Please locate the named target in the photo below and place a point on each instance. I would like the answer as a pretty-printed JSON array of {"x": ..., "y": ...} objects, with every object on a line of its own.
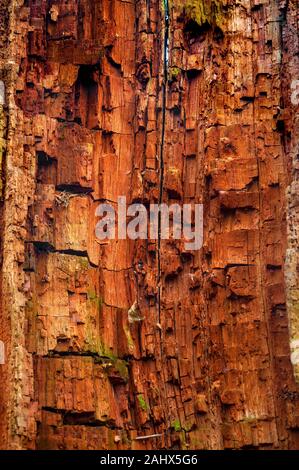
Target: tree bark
[{"x": 142, "y": 344}]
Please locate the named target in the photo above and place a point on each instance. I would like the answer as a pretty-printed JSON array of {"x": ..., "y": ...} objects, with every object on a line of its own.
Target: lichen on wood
[{"x": 204, "y": 12}]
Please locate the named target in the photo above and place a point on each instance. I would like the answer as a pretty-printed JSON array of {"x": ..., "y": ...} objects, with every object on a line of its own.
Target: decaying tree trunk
[{"x": 186, "y": 101}]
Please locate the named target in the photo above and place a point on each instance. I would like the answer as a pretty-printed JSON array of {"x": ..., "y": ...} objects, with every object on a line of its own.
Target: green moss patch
[
  {"x": 176, "y": 425},
  {"x": 142, "y": 403}
]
